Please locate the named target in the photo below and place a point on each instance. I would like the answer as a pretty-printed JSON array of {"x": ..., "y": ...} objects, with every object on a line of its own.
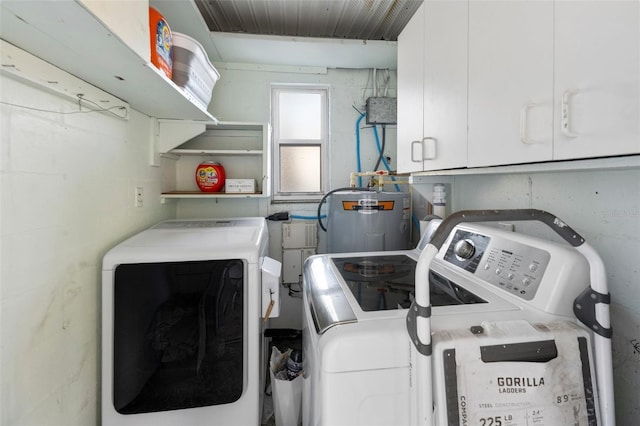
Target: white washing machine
[
  {"x": 497, "y": 341},
  {"x": 182, "y": 304}
]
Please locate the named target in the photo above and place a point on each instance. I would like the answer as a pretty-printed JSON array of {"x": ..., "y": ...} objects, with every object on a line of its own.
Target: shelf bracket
[
  {"x": 171, "y": 133},
  {"x": 168, "y": 134}
]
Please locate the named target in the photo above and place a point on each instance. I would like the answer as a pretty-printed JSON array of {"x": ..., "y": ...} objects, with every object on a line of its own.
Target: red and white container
[{"x": 210, "y": 176}]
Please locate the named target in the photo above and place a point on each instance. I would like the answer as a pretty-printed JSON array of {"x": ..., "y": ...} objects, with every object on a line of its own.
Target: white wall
[
  {"x": 243, "y": 94},
  {"x": 604, "y": 207},
  {"x": 67, "y": 196}
]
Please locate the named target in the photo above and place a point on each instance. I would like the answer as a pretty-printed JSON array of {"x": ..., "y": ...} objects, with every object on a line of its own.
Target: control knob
[{"x": 464, "y": 249}]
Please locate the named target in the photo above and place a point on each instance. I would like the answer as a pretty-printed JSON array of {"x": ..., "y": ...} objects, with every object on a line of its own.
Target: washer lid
[{"x": 327, "y": 302}]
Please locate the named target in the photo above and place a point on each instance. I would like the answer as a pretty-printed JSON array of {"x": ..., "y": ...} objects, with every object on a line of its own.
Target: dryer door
[{"x": 178, "y": 335}]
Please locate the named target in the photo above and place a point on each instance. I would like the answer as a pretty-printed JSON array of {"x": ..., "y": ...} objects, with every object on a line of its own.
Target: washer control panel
[{"x": 513, "y": 267}]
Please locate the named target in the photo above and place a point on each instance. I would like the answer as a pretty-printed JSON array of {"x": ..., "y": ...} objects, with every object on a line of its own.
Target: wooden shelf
[
  {"x": 197, "y": 195},
  {"x": 216, "y": 152}
]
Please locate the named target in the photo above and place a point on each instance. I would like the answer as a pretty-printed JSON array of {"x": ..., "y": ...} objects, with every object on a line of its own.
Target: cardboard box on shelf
[{"x": 240, "y": 185}]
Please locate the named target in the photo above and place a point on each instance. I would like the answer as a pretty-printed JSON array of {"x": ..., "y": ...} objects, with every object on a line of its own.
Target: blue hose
[{"x": 302, "y": 217}]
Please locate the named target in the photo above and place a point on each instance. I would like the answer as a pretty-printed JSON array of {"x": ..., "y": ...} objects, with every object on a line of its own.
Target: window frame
[{"x": 323, "y": 142}]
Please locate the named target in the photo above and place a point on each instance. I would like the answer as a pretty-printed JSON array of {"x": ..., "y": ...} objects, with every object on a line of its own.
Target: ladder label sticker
[{"x": 517, "y": 387}]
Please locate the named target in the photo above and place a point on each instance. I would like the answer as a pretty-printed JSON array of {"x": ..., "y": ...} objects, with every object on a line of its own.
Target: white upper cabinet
[
  {"x": 410, "y": 94},
  {"x": 546, "y": 80},
  {"x": 597, "y": 72},
  {"x": 510, "y": 82},
  {"x": 432, "y": 88},
  {"x": 445, "y": 84}
]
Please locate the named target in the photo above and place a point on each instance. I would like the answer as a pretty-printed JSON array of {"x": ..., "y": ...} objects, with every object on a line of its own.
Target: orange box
[{"x": 161, "y": 42}]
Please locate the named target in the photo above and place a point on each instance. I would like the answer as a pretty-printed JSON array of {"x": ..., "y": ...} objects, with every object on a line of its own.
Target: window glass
[
  {"x": 300, "y": 168},
  {"x": 300, "y": 115}
]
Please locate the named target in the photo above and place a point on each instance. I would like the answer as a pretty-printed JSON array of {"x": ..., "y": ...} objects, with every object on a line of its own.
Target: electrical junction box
[
  {"x": 299, "y": 241},
  {"x": 382, "y": 110},
  {"x": 299, "y": 235},
  {"x": 293, "y": 262}
]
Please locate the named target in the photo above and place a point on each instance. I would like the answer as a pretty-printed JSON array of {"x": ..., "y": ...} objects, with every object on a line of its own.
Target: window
[{"x": 300, "y": 136}]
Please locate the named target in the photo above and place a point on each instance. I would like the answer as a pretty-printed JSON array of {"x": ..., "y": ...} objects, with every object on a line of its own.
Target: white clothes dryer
[{"x": 181, "y": 324}]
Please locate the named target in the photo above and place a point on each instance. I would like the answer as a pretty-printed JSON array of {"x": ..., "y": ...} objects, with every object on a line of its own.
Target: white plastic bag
[{"x": 287, "y": 394}]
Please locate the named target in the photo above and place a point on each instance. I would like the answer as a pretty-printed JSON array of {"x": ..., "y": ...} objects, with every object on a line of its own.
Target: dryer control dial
[{"x": 464, "y": 249}]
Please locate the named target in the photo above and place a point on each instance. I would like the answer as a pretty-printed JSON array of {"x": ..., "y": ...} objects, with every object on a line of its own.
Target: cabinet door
[
  {"x": 597, "y": 94},
  {"x": 445, "y": 84},
  {"x": 510, "y": 82},
  {"x": 410, "y": 92}
]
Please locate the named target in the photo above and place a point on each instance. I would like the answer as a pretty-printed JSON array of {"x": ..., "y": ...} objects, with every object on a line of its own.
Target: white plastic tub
[{"x": 192, "y": 70}]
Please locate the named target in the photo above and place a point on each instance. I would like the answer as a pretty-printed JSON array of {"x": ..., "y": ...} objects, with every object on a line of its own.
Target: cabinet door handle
[
  {"x": 413, "y": 151},
  {"x": 524, "y": 112},
  {"x": 429, "y": 148},
  {"x": 565, "y": 117}
]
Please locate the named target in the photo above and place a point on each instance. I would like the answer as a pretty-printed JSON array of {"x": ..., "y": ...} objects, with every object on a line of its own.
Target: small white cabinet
[
  {"x": 411, "y": 94},
  {"x": 445, "y": 84},
  {"x": 432, "y": 88},
  {"x": 510, "y": 82},
  {"x": 243, "y": 149},
  {"x": 596, "y": 79}
]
